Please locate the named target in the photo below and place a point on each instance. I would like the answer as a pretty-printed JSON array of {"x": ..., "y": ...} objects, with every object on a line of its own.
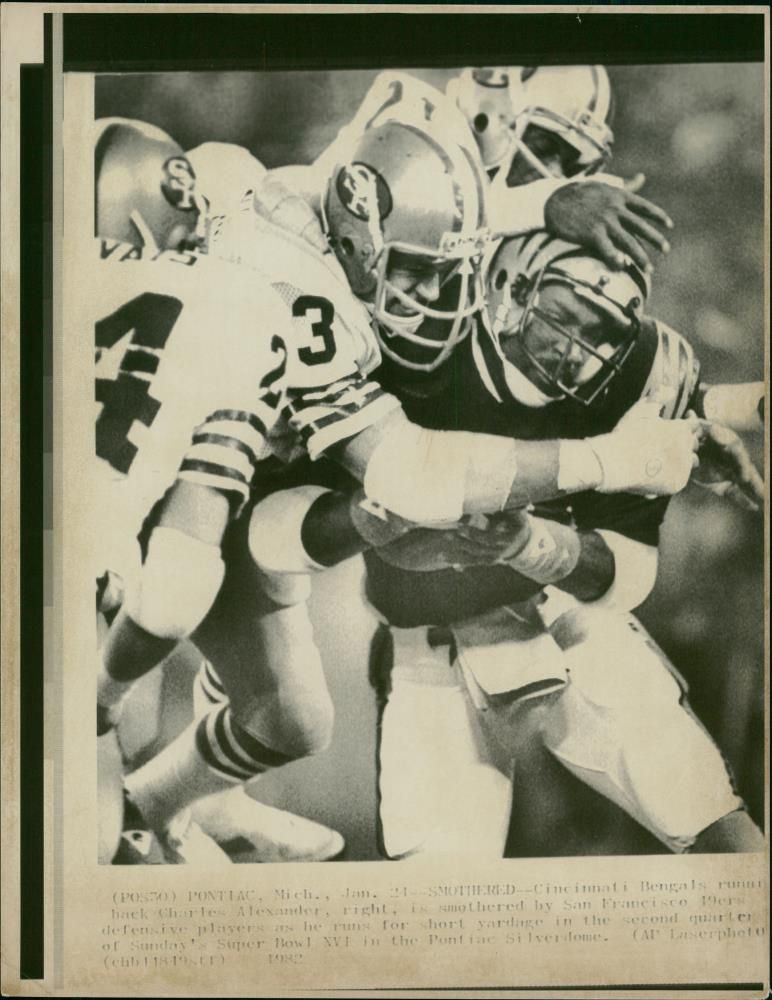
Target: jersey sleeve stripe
[
  {"x": 230, "y": 459},
  {"x": 321, "y": 415},
  {"x": 226, "y": 441},
  {"x": 229, "y": 479},
  {"x": 239, "y": 415},
  {"x": 333, "y": 389},
  {"x": 344, "y": 426},
  {"x": 352, "y": 395},
  {"x": 250, "y": 437}
]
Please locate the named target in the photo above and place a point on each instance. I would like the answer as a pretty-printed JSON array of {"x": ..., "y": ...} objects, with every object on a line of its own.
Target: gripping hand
[{"x": 646, "y": 454}]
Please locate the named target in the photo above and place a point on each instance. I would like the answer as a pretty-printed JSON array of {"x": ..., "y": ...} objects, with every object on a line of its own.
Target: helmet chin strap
[{"x": 145, "y": 232}]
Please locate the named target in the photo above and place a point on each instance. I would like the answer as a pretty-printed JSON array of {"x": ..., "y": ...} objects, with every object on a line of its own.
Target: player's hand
[
  {"x": 494, "y": 538},
  {"x": 646, "y": 454},
  {"x": 635, "y": 184},
  {"x": 615, "y": 223},
  {"x": 476, "y": 541},
  {"x": 727, "y": 469}
]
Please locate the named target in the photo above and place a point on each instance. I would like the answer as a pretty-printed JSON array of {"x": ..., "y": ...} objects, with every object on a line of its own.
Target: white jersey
[
  {"x": 190, "y": 367},
  {"x": 330, "y": 396},
  {"x": 204, "y": 369}
]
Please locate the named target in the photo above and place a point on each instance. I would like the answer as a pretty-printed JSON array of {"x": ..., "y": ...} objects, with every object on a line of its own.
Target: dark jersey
[{"x": 469, "y": 393}]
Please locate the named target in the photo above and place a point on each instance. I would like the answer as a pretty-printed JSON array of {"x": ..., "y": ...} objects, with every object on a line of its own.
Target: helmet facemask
[
  {"x": 587, "y": 143},
  {"x": 572, "y": 345},
  {"x": 457, "y": 293},
  {"x": 405, "y": 218}
]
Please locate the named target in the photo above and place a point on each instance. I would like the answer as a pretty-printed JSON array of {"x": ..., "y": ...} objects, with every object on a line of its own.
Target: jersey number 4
[{"x": 149, "y": 318}]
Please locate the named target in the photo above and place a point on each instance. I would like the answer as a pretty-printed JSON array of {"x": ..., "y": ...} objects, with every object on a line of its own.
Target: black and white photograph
[
  {"x": 404, "y": 557},
  {"x": 506, "y": 329}
]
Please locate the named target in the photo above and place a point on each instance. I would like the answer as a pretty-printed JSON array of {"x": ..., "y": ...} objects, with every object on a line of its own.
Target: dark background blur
[{"x": 696, "y": 131}]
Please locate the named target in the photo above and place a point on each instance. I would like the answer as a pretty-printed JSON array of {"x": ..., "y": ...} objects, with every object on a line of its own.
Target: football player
[
  {"x": 364, "y": 248},
  {"x": 187, "y": 392},
  {"x": 463, "y": 679},
  {"x": 408, "y": 246}
]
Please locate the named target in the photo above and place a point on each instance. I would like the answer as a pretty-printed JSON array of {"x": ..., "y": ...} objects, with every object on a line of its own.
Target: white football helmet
[
  {"x": 573, "y": 103},
  {"x": 571, "y": 363},
  {"x": 146, "y": 191},
  {"x": 406, "y": 192}
]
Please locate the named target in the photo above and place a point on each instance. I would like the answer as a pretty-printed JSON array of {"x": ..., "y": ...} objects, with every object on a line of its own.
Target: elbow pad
[
  {"x": 178, "y": 583},
  {"x": 435, "y": 477},
  {"x": 635, "y": 572}
]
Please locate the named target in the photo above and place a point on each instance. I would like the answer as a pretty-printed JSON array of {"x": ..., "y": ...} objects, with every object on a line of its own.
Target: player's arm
[
  {"x": 183, "y": 568},
  {"x": 428, "y": 476},
  {"x": 740, "y": 407},
  {"x": 725, "y": 465}
]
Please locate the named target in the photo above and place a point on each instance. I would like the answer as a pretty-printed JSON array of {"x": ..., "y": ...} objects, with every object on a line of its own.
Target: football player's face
[
  {"x": 544, "y": 349},
  {"x": 557, "y": 156},
  {"x": 419, "y": 277}
]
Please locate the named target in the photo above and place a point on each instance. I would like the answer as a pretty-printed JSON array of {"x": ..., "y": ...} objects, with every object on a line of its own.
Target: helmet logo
[
  {"x": 179, "y": 183},
  {"x": 364, "y": 193}
]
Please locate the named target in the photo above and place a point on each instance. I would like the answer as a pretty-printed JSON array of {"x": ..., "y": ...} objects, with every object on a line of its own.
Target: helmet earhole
[
  {"x": 500, "y": 280},
  {"x": 480, "y": 122},
  {"x": 520, "y": 289}
]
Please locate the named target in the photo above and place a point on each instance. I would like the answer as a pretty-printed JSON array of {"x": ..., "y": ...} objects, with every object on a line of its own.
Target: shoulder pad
[
  {"x": 675, "y": 371},
  {"x": 224, "y": 173}
]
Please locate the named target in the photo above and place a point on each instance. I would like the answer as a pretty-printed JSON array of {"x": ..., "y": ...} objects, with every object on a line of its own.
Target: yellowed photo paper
[{"x": 406, "y": 601}]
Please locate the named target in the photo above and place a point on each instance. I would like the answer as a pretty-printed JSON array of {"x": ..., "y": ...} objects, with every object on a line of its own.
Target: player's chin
[{"x": 402, "y": 311}]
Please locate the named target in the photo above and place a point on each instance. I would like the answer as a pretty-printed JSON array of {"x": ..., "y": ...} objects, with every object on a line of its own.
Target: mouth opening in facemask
[
  {"x": 561, "y": 337},
  {"x": 423, "y": 304},
  {"x": 549, "y": 145}
]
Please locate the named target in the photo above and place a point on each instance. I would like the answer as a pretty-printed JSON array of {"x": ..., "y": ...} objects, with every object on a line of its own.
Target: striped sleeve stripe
[
  {"x": 243, "y": 432},
  {"x": 316, "y": 414},
  {"x": 226, "y": 441},
  {"x": 353, "y": 395},
  {"x": 309, "y": 423},
  {"x": 216, "y": 482},
  {"x": 241, "y": 416},
  {"x": 225, "y": 458},
  {"x": 215, "y": 477},
  {"x": 346, "y": 427},
  {"x": 355, "y": 378},
  {"x": 328, "y": 393}
]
